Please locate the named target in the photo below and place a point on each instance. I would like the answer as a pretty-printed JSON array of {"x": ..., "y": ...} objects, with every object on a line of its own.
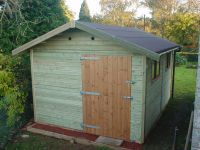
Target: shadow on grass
[{"x": 176, "y": 114}]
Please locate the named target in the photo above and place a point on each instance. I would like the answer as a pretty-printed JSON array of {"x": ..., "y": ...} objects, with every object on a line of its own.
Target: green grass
[
  {"x": 39, "y": 142},
  {"x": 177, "y": 114}
]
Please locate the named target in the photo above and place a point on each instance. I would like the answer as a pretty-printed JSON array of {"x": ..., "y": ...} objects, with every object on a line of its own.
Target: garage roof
[{"x": 134, "y": 39}]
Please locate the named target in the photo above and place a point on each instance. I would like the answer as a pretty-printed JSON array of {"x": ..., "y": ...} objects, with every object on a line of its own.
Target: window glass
[
  {"x": 155, "y": 67},
  {"x": 152, "y": 69},
  {"x": 168, "y": 61}
]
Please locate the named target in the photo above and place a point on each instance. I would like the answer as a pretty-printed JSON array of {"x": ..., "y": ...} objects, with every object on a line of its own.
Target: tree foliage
[
  {"x": 117, "y": 12},
  {"x": 175, "y": 20},
  {"x": 12, "y": 99},
  {"x": 182, "y": 28},
  {"x": 84, "y": 14},
  {"x": 25, "y": 20},
  {"x": 32, "y": 19}
]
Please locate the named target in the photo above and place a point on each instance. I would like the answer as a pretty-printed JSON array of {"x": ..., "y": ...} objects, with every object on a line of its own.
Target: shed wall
[
  {"x": 158, "y": 92},
  {"x": 138, "y": 91},
  {"x": 56, "y": 75}
]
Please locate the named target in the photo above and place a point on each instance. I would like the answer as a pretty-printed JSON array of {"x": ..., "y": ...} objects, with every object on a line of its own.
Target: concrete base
[
  {"x": 109, "y": 141},
  {"x": 81, "y": 137}
]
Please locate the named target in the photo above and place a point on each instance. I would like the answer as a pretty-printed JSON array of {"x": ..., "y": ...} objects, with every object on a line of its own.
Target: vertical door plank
[
  {"x": 110, "y": 95},
  {"x": 121, "y": 94},
  {"x": 115, "y": 96},
  {"x": 92, "y": 97},
  {"x": 86, "y": 86},
  {"x": 105, "y": 96},
  {"x": 123, "y": 86},
  {"x": 101, "y": 84},
  {"x": 96, "y": 98},
  {"x": 126, "y": 103},
  {"x": 83, "y": 88}
]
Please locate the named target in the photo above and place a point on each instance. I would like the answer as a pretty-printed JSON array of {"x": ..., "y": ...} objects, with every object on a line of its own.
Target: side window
[
  {"x": 168, "y": 61},
  {"x": 155, "y": 67}
]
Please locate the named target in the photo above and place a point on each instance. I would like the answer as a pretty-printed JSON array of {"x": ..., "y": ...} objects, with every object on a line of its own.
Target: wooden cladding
[{"x": 109, "y": 112}]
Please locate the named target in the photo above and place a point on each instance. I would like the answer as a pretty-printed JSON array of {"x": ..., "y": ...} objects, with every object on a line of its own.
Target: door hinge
[
  {"x": 127, "y": 97},
  {"x": 89, "y": 58},
  {"x": 89, "y": 93},
  {"x": 89, "y": 126},
  {"x": 130, "y": 82}
]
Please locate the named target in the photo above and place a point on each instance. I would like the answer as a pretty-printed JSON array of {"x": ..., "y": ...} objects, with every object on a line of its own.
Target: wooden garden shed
[{"x": 99, "y": 79}]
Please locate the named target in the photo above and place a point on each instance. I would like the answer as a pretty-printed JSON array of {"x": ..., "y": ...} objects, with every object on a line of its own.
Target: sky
[{"x": 94, "y": 7}]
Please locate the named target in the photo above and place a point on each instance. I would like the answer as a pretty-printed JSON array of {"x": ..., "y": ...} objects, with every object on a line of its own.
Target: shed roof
[
  {"x": 132, "y": 38},
  {"x": 136, "y": 36}
]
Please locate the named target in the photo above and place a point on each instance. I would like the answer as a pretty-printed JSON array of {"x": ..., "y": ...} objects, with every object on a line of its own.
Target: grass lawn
[
  {"x": 39, "y": 142},
  {"x": 177, "y": 114}
]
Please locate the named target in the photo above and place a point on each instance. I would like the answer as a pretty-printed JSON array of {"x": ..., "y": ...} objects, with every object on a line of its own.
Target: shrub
[
  {"x": 12, "y": 100},
  {"x": 180, "y": 60}
]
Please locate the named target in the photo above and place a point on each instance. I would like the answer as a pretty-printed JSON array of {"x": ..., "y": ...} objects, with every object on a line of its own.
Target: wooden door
[{"x": 106, "y": 95}]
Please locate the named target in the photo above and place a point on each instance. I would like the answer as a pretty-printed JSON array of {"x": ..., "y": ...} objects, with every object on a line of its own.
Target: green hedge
[{"x": 188, "y": 59}]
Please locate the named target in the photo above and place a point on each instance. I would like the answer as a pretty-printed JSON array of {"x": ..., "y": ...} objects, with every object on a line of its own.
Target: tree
[
  {"x": 117, "y": 12},
  {"x": 192, "y": 6},
  {"x": 84, "y": 14},
  {"x": 161, "y": 11},
  {"x": 32, "y": 19},
  {"x": 144, "y": 23},
  {"x": 176, "y": 20},
  {"x": 183, "y": 29}
]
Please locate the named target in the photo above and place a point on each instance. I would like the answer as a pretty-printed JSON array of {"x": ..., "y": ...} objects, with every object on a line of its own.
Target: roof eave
[
  {"x": 178, "y": 48},
  {"x": 44, "y": 37}
]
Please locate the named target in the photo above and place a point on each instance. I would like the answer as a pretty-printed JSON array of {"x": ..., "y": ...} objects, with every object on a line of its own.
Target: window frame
[
  {"x": 168, "y": 60},
  {"x": 155, "y": 69}
]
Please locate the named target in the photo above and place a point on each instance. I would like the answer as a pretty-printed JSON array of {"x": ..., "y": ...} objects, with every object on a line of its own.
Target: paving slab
[{"x": 109, "y": 141}]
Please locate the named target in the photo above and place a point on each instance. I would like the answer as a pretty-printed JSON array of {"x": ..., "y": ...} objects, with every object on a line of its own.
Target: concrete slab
[
  {"x": 81, "y": 137},
  {"x": 109, "y": 141}
]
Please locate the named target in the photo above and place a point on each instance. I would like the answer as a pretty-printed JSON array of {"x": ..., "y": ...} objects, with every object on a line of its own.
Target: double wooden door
[{"x": 106, "y": 93}]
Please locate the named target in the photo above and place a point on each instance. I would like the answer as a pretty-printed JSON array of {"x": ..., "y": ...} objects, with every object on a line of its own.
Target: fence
[{"x": 187, "y": 58}]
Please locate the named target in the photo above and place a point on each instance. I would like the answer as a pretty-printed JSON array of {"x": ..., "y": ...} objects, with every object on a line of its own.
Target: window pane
[
  {"x": 168, "y": 60},
  {"x": 157, "y": 69},
  {"x": 152, "y": 69}
]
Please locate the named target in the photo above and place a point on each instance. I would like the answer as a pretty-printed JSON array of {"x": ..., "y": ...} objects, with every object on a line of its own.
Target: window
[
  {"x": 155, "y": 67},
  {"x": 168, "y": 61}
]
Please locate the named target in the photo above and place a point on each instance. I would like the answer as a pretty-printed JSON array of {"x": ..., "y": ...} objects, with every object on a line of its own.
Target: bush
[
  {"x": 188, "y": 59},
  {"x": 180, "y": 60},
  {"x": 12, "y": 99}
]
